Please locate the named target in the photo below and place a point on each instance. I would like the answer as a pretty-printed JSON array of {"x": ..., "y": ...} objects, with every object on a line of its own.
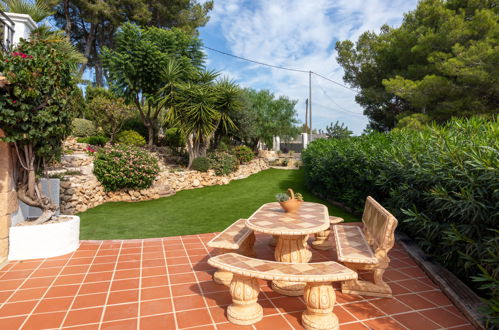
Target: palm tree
[{"x": 37, "y": 9}]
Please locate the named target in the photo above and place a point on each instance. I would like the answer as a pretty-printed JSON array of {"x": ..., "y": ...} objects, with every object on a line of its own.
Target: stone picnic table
[{"x": 291, "y": 230}]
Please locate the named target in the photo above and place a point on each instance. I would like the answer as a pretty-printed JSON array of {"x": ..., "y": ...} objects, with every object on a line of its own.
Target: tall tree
[
  {"x": 338, "y": 131},
  {"x": 442, "y": 61},
  {"x": 138, "y": 66},
  {"x": 92, "y": 24}
]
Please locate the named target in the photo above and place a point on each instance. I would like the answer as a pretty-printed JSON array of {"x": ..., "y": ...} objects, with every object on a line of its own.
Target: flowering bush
[
  {"x": 122, "y": 166},
  {"x": 244, "y": 154},
  {"x": 90, "y": 150},
  {"x": 223, "y": 163}
]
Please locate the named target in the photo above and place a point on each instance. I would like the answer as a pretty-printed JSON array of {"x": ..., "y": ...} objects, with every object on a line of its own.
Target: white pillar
[
  {"x": 304, "y": 140},
  {"x": 276, "y": 143},
  {"x": 24, "y": 24}
]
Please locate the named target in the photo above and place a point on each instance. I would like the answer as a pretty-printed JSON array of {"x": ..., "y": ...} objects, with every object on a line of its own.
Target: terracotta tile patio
[{"x": 166, "y": 284}]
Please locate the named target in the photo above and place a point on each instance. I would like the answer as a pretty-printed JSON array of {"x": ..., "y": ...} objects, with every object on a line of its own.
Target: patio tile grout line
[
  {"x": 110, "y": 285},
  {"x": 170, "y": 286},
  {"x": 78, "y": 291},
  {"x": 45, "y": 293},
  {"x": 140, "y": 283},
  {"x": 197, "y": 281}
]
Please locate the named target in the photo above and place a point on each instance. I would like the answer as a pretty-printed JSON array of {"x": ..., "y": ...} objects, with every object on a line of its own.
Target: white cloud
[{"x": 299, "y": 34}]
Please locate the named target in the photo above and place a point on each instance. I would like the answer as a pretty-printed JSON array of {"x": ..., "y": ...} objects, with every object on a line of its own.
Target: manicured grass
[{"x": 203, "y": 210}]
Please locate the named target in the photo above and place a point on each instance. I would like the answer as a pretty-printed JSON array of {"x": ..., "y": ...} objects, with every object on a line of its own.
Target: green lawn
[{"x": 194, "y": 211}]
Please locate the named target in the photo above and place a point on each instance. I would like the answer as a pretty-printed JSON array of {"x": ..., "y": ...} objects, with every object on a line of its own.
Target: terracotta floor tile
[
  {"x": 15, "y": 275},
  {"x": 218, "y": 298},
  {"x": 219, "y": 314},
  {"x": 96, "y": 268},
  {"x": 193, "y": 318},
  {"x": 11, "y": 284},
  {"x": 158, "y": 322},
  {"x": 39, "y": 282},
  {"x": 273, "y": 322},
  {"x": 177, "y": 260},
  {"x": 105, "y": 259},
  {"x": 188, "y": 302},
  {"x": 398, "y": 289},
  {"x": 415, "y": 321},
  {"x": 28, "y": 294},
  {"x": 70, "y": 270},
  {"x": 80, "y": 261},
  {"x": 11, "y": 322},
  {"x": 267, "y": 305},
  {"x": 289, "y": 304},
  {"x": 154, "y": 263},
  {"x": 363, "y": 310},
  {"x": 343, "y": 315},
  {"x": 190, "y": 288},
  {"x": 154, "y": 281},
  {"x": 176, "y": 269},
  {"x": 204, "y": 275},
  {"x": 121, "y": 325},
  {"x": 414, "y": 285},
  {"x": 127, "y": 273},
  {"x": 182, "y": 278},
  {"x": 125, "y": 296},
  {"x": 62, "y": 291},
  {"x": 200, "y": 266},
  {"x": 96, "y": 287},
  {"x": 83, "y": 316},
  {"x": 43, "y": 272},
  {"x": 155, "y": 293},
  {"x": 119, "y": 312},
  {"x": 230, "y": 326},
  {"x": 390, "y": 306},
  {"x": 44, "y": 321},
  {"x": 53, "y": 263},
  {"x": 17, "y": 308},
  {"x": 415, "y": 301},
  {"x": 128, "y": 265},
  {"x": 294, "y": 319},
  {"x": 69, "y": 279},
  {"x": 355, "y": 326},
  {"x": 90, "y": 300},
  {"x": 53, "y": 305},
  {"x": 436, "y": 297},
  {"x": 4, "y": 295},
  {"x": 385, "y": 323},
  {"x": 443, "y": 317},
  {"x": 125, "y": 284},
  {"x": 98, "y": 277},
  {"x": 159, "y": 306}
]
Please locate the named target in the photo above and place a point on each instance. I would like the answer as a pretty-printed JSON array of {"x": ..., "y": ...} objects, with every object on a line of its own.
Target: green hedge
[
  {"x": 83, "y": 128},
  {"x": 130, "y": 138},
  {"x": 441, "y": 183}
]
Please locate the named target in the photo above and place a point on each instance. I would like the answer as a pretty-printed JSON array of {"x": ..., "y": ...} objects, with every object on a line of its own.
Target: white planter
[{"x": 44, "y": 241}]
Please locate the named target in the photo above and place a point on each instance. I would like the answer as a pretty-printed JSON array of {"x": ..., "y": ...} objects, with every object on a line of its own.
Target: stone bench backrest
[{"x": 379, "y": 226}]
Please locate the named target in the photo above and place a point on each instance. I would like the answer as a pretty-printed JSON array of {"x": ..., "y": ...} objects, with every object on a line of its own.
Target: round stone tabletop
[{"x": 271, "y": 219}]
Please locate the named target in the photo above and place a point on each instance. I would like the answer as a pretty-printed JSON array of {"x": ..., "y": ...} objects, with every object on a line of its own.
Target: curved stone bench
[
  {"x": 236, "y": 237},
  {"x": 367, "y": 249},
  {"x": 318, "y": 295}
]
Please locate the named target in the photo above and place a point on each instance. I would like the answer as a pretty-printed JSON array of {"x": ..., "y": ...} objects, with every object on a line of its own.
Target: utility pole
[
  {"x": 306, "y": 116},
  {"x": 310, "y": 101}
]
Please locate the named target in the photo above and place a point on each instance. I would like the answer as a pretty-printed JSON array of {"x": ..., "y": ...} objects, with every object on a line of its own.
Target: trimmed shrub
[
  {"x": 243, "y": 154},
  {"x": 173, "y": 138},
  {"x": 121, "y": 166},
  {"x": 130, "y": 138},
  {"x": 223, "y": 163},
  {"x": 83, "y": 128},
  {"x": 97, "y": 140},
  {"x": 135, "y": 124},
  {"x": 440, "y": 182},
  {"x": 201, "y": 164}
]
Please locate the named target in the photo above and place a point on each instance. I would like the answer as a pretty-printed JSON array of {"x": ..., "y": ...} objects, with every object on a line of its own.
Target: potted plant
[
  {"x": 35, "y": 114},
  {"x": 290, "y": 201}
]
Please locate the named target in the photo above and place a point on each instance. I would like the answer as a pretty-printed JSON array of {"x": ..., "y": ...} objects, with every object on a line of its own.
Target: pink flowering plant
[
  {"x": 119, "y": 167},
  {"x": 39, "y": 78}
]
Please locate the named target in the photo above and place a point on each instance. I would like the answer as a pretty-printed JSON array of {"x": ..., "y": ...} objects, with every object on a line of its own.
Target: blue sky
[{"x": 298, "y": 34}]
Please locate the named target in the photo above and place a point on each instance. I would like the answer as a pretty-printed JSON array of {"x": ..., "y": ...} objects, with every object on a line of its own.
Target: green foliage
[
  {"x": 201, "y": 164},
  {"x": 441, "y": 61},
  {"x": 108, "y": 111},
  {"x": 440, "y": 182},
  {"x": 138, "y": 67},
  {"x": 97, "y": 140},
  {"x": 130, "y": 138},
  {"x": 33, "y": 108},
  {"x": 121, "y": 167},
  {"x": 282, "y": 197},
  {"x": 223, "y": 163},
  {"x": 83, "y": 128},
  {"x": 416, "y": 121},
  {"x": 263, "y": 116},
  {"x": 136, "y": 124},
  {"x": 338, "y": 131},
  {"x": 174, "y": 138},
  {"x": 243, "y": 154},
  {"x": 38, "y": 9}
]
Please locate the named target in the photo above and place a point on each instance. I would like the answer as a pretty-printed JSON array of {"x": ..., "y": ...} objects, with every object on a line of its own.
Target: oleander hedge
[{"x": 442, "y": 183}]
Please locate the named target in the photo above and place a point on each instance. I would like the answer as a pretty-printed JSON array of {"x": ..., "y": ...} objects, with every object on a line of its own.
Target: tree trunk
[
  {"x": 88, "y": 46},
  {"x": 68, "y": 20},
  {"x": 150, "y": 133}
]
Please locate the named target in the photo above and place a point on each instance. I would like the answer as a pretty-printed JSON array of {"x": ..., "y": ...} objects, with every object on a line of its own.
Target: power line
[
  {"x": 253, "y": 61},
  {"x": 279, "y": 67},
  {"x": 336, "y": 103}
]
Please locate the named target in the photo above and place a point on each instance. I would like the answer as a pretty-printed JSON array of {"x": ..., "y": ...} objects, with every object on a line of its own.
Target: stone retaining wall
[{"x": 80, "y": 192}]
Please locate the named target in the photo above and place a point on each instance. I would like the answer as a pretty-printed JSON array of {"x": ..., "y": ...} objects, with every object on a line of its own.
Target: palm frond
[{"x": 38, "y": 9}]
